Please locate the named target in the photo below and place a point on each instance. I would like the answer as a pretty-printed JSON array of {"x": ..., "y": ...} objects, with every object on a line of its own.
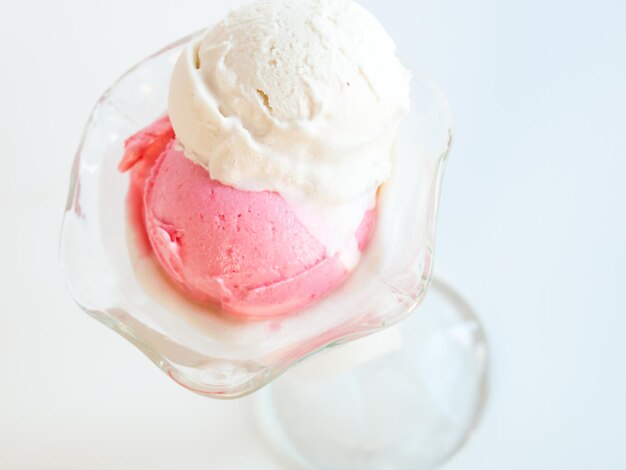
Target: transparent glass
[
  {"x": 406, "y": 398},
  {"x": 216, "y": 355}
]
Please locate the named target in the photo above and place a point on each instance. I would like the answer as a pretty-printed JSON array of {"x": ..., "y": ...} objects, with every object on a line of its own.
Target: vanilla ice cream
[{"x": 298, "y": 97}]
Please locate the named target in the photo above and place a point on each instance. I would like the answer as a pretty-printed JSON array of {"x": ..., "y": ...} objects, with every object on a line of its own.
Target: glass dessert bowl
[{"x": 218, "y": 355}]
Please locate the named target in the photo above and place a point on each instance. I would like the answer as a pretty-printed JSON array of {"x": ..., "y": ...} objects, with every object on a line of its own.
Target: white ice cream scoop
[{"x": 302, "y": 97}]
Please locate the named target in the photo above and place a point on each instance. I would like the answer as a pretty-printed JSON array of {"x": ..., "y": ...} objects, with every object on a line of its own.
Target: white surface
[{"x": 532, "y": 232}]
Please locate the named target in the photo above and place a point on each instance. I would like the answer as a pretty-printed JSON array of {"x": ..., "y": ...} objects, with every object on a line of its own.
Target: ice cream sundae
[{"x": 257, "y": 190}]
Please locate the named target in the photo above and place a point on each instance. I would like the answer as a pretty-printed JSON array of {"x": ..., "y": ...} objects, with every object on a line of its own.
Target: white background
[{"x": 532, "y": 231}]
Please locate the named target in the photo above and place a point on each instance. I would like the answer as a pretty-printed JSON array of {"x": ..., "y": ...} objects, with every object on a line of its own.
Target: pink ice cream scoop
[{"x": 245, "y": 251}]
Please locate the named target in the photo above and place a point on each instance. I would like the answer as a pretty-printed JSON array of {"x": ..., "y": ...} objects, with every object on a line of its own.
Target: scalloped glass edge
[{"x": 231, "y": 377}]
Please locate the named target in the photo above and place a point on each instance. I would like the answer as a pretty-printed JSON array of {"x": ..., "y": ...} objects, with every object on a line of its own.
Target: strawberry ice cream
[{"x": 243, "y": 250}]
